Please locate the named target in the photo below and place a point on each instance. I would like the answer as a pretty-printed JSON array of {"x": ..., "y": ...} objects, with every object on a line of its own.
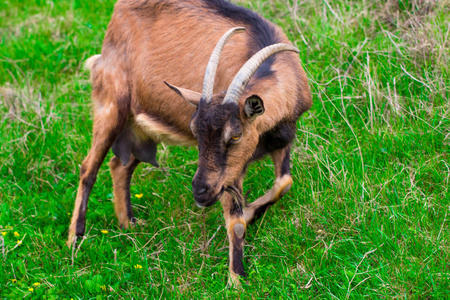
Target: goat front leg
[
  {"x": 233, "y": 203},
  {"x": 282, "y": 185},
  {"x": 121, "y": 176}
]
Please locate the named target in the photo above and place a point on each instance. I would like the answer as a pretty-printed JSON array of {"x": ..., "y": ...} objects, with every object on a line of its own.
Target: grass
[{"x": 368, "y": 216}]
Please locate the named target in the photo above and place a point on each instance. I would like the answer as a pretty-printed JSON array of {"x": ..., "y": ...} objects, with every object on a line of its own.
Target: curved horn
[
  {"x": 210, "y": 73},
  {"x": 244, "y": 75}
]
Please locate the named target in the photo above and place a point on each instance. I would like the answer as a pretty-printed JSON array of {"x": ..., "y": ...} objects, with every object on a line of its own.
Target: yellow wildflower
[
  {"x": 16, "y": 233},
  {"x": 36, "y": 284},
  {"x": 139, "y": 196},
  {"x": 3, "y": 233},
  {"x": 19, "y": 242},
  {"x": 13, "y": 280},
  {"x": 105, "y": 231},
  {"x": 138, "y": 266},
  {"x": 31, "y": 289}
]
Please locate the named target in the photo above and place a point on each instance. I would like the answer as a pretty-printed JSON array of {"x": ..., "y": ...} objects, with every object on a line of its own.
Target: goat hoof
[
  {"x": 285, "y": 190},
  {"x": 283, "y": 185},
  {"x": 235, "y": 281},
  {"x": 239, "y": 230},
  {"x": 71, "y": 241}
]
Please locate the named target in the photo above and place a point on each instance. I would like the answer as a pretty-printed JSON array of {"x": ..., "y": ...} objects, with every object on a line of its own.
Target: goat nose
[
  {"x": 201, "y": 191},
  {"x": 200, "y": 188}
]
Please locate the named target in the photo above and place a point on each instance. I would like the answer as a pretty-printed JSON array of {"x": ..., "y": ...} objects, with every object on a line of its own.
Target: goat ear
[
  {"x": 254, "y": 106},
  {"x": 190, "y": 96}
]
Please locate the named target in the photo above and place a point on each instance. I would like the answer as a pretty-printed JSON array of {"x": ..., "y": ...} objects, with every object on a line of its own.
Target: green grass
[{"x": 368, "y": 216}]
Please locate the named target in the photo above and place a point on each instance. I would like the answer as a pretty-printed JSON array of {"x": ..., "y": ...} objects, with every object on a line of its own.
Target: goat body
[{"x": 148, "y": 43}]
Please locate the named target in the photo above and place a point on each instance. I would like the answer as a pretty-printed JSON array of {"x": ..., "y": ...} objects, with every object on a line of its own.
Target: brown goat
[{"x": 260, "y": 95}]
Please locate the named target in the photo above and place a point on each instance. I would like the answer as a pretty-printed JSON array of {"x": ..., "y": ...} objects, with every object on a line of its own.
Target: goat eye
[{"x": 236, "y": 137}]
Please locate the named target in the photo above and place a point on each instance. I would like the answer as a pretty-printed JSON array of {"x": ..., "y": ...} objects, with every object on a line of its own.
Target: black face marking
[
  {"x": 235, "y": 134},
  {"x": 210, "y": 121}
]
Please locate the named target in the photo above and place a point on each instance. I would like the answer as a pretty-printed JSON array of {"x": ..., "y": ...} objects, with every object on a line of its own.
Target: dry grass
[{"x": 368, "y": 215}]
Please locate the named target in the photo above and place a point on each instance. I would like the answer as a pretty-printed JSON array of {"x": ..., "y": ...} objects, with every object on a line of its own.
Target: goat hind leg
[
  {"x": 282, "y": 185},
  {"x": 121, "y": 176},
  {"x": 107, "y": 126}
]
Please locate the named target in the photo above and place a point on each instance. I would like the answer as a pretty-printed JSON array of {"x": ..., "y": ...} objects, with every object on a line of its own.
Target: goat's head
[{"x": 226, "y": 134}]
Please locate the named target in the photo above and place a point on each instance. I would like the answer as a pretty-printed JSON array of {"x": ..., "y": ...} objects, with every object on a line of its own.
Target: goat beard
[{"x": 238, "y": 198}]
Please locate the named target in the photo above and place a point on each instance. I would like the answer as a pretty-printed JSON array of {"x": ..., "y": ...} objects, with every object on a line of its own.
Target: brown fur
[
  {"x": 165, "y": 39},
  {"x": 150, "y": 42},
  {"x": 121, "y": 176}
]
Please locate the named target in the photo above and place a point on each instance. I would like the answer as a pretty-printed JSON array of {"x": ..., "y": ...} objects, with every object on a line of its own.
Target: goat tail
[{"x": 91, "y": 61}]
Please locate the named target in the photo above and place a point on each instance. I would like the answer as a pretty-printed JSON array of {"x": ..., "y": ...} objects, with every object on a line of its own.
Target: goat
[{"x": 261, "y": 92}]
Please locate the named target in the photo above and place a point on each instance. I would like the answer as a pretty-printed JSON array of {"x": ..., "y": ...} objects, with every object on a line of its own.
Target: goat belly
[{"x": 158, "y": 131}]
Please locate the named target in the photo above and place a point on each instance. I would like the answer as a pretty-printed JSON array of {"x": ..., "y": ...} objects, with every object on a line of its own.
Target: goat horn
[
  {"x": 210, "y": 73},
  {"x": 244, "y": 75}
]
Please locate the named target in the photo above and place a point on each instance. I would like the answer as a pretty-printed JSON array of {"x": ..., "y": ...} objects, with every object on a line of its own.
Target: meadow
[{"x": 368, "y": 215}]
